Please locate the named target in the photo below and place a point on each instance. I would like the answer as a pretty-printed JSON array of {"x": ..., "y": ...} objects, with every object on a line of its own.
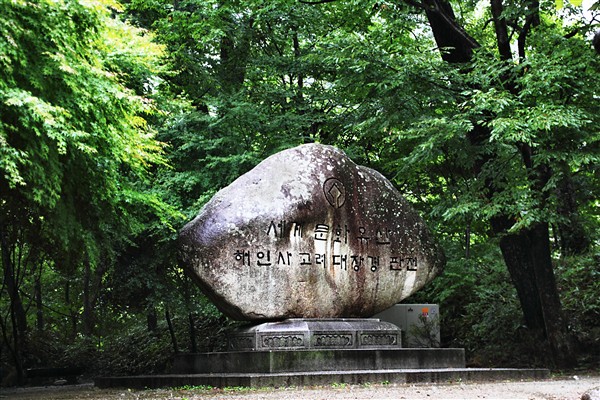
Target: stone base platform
[
  {"x": 299, "y": 352},
  {"x": 392, "y": 376},
  {"x": 284, "y": 361}
]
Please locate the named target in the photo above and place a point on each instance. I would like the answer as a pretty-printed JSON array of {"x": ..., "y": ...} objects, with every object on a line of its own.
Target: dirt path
[{"x": 556, "y": 389}]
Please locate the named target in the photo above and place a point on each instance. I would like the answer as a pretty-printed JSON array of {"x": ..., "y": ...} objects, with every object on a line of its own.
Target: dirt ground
[{"x": 567, "y": 388}]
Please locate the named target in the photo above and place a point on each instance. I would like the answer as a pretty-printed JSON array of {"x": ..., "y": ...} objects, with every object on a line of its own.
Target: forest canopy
[{"x": 118, "y": 121}]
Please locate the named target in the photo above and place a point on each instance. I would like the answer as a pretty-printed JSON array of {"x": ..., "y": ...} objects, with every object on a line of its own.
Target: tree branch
[
  {"x": 523, "y": 36},
  {"x": 501, "y": 30},
  {"x": 448, "y": 33}
]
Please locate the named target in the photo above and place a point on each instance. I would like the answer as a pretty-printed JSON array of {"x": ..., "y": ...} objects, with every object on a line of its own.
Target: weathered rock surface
[{"x": 307, "y": 233}]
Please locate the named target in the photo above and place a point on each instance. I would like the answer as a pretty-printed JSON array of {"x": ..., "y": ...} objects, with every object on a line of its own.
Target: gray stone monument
[
  {"x": 309, "y": 234},
  {"x": 314, "y": 241}
]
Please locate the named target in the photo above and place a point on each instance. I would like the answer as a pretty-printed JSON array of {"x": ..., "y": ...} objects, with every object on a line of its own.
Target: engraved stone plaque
[
  {"x": 309, "y": 234},
  {"x": 316, "y": 334}
]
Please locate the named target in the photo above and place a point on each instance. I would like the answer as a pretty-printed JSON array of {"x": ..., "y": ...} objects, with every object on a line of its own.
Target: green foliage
[
  {"x": 578, "y": 281},
  {"x": 112, "y": 136},
  {"x": 72, "y": 135},
  {"x": 76, "y": 157},
  {"x": 131, "y": 349}
]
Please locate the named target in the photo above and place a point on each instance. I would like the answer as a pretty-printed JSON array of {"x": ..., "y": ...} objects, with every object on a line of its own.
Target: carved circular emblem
[{"x": 335, "y": 192}]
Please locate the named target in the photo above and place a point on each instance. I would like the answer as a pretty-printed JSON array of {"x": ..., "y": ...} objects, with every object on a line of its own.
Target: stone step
[
  {"x": 283, "y": 361},
  {"x": 385, "y": 376}
]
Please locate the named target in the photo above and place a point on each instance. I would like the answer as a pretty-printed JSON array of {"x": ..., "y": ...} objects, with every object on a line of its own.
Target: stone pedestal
[
  {"x": 317, "y": 334},
  {"x": 317, "y": 345},
  {"x": 300, "y": 352}
]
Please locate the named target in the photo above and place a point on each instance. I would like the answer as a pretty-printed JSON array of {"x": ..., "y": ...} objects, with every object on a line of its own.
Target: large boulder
[{"x": 308, "y": 233}]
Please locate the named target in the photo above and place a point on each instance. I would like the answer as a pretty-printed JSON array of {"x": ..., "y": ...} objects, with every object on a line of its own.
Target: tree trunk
[
  {"x": 11, "y": 283},
  {"x": 515, "y": 248},
  {"x": 194, "y": 347},
  {"x": 234, "y": 55},
  {"x": 555, "y": 325},
  {"x": 92, "y": 287},
  {"x": 573, "y": 238},
  {"x": 468, "y": 240},
  {"x": 88, "y": 313},
  {"x": 171, "y": 332},
  {"x": 300, "y": 79},
  {"x": 39, "y": 305},
  {"x": 456, "y": 46},
  {"x": 18, "y": 315},
  {"x": 152, "y": 320},
  {"x": 502, "y": 38},
  {"x": 527, "y": 257},
  {"x": 72, "y": 313}
]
